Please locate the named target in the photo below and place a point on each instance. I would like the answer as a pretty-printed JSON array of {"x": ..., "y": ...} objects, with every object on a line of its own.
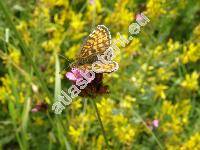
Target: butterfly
[{"x": 96, "y": 44}]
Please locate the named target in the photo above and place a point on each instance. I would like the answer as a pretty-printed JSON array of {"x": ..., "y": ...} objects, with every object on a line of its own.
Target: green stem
[
  {"x": 100, "y": 122},
  {"x": 154, "y": 136}
]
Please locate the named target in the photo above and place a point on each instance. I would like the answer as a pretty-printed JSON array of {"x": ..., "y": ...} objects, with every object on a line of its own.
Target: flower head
[
  {"x": 94, "y": 86},
  {"x": 40, "y": 106},
  {"x": 74, "y": 75},
  {"x": 139, "y": 17},
  {"x": 155, "y": 123},
  {"x": 92, "y": 2}
]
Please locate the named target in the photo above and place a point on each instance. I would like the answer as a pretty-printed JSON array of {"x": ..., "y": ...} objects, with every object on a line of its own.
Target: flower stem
[
  {"x": 101, "y": 124},
  {"x": 154, "y": 136}
]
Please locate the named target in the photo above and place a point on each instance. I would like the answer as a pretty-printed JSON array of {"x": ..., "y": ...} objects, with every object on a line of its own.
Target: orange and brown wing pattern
[
  {"x": 101, "y": 68},
  {"x": 97, "y": 42}
]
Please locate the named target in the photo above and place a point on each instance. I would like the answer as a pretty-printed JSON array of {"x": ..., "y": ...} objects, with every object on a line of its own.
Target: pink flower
[
  {"x": 74, "y": 74},
  {"x": 139, "y": 17},
  {"x": 92, "y": 2},
  {"x": 40, "y": 106},
  {"x": 155, "y": 123}
]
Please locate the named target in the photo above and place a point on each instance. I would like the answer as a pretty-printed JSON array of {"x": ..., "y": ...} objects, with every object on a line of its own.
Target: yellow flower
[
  {"x": 75, "y": 133},
  {"x": 191, "y": 81},
  {"x": 172, "y": 46},
  {"x": 39, "y": 121},
  {"x": 14, "y": 55},
  {"x": 155, "y": 8},
  {"x": 92, "y": 11},
  {"x": 100, "y": 142},
  {"x": 173, "y": 119},
  {"x": 76, "y": 104},
  {"x": 47, "y": 100},
  {"x": 160, "y": 91},
  {"x": 76, "y": 22},
  {"x": 192, "y": 143},
  {"x": 71, "y": 53},
  {"x": 123, "y": 129},
  {"x": 197, "y": 31},
  {"x": 118, "y": 22},
  {"x": 158, "y": 51},
  {"x": 52, "y": 3},
  {"x": 105, "y": 107},
  {"x": 77, "y": 25},
  {"x": 191, "y": 53},
  {"x": 21, "y": 97},
  {"x": 163, "y": 74},
  {"x": 127, "y": 102},
  {"x": 48, "y": 45},
  {"x": 5, "y": 89},
  {"x": 23, "y": 28},
  {"x": 125, "y": 133},
  {"x": 53, "y": 44}
]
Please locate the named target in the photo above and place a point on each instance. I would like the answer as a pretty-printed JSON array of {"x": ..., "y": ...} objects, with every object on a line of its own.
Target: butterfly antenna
[
  {"x": 67, "y": 60},
  {"x": 64, "y": 57},
  {"x": 71, "y": 65}
]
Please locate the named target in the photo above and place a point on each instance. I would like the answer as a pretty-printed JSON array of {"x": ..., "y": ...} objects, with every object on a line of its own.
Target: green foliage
[{"x": 157, "y": 79}]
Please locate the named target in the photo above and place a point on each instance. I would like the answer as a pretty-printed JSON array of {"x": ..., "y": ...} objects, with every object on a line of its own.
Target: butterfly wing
[
  {"x": 96, "y": 43},
  {"x": 100, "y": 67}
]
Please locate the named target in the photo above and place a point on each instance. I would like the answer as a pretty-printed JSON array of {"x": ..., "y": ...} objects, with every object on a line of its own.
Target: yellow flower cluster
[
  {"x": 118, "y": 22},
  {"x": 192, "y": 143},
  {"x": 191, "y": 53},
  {"x": 191, "y": 81},
  {"x": 5, "y": 90},
  {"x": 158, "y": 75},
  {"x": 176, "y": 118},
  {"x": 155, "y": 8}
]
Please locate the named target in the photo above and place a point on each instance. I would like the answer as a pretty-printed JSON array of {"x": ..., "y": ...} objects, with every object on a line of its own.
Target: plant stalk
[{"x": 100, "y": 122}]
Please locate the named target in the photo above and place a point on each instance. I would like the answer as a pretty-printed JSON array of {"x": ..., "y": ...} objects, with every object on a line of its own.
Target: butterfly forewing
[{"x": 96, "y": 43}]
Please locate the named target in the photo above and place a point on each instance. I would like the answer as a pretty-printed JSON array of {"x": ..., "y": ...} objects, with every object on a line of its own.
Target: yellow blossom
[
  {"x": 5, "y": 89},
  {"x": 191, "y": 53},
  {"x": 173, "y": 119},
  {"x": 38, "y": 121},
  {"x": 159, "y": 90},
  {"x": 155, "y": 8},
  {"x": 105, "y": 107},
  {"x": 125, "y": 133},
  {"x": 14, "y": 55},
  {"x": 172, "y": 46},
  {"x": 75, "y": 133},
  {"x": 197, "y": 31},
  {"x": 93, "y": 10},
  {"x": 191, "y": 81},
  {"x": 23, "y": 28},
  {"x": 192, "y": 143},
  {"x": 71, "y": 53},
  {"x": 118, "y": 22}
]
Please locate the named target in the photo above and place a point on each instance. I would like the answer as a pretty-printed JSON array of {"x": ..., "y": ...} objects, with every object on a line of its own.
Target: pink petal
[
  {"x": 139, "y": 17},
  {"x": 70, "y": 76},
  {"x": 34, "y": 110},
  {"x": 74, "y": 70},
  {"x": 76, "y": 73},
  {"x": 155, "y": 123}
]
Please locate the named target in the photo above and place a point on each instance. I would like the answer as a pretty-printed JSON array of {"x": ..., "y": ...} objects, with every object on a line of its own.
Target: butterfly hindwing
[{"x": 100, "y": 67}]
